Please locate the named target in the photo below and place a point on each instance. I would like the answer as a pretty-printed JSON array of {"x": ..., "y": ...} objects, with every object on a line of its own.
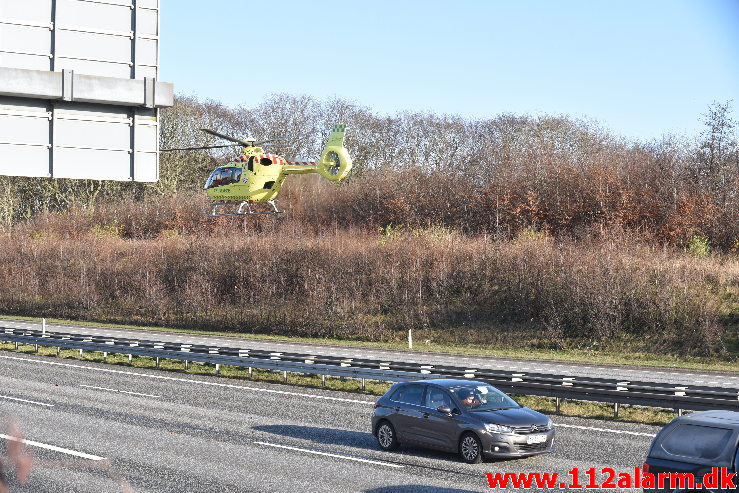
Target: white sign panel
[{"x": 85, "y": 103}]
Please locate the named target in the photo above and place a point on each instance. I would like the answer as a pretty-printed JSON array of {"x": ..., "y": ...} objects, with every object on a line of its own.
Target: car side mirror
[{"x": 444, "y": 409}]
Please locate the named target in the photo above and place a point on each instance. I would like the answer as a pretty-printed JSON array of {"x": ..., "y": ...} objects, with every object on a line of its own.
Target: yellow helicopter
[{"x": 256, "y": 177}]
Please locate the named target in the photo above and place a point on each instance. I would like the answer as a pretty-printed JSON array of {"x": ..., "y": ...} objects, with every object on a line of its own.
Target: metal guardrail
[{"x": 557, "y": 386}]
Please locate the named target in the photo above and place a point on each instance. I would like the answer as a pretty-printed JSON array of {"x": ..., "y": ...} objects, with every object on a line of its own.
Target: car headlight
[
  {"x": 493, "y": 428},
  {"x": 550, "y": 424}
]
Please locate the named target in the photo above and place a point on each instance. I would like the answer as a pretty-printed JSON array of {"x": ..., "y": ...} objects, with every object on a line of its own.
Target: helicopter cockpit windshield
[{"x": 223, "y": 176}]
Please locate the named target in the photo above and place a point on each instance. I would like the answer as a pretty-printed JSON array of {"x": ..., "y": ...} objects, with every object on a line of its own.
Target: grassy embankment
[{"x": 613, "y": 356}]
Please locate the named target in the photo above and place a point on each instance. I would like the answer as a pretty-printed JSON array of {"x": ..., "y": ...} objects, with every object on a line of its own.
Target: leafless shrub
[{"x": 374, "y": 285}]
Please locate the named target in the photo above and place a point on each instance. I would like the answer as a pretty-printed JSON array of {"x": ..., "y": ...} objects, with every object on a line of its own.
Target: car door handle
[{"x": 425, "y": 415}]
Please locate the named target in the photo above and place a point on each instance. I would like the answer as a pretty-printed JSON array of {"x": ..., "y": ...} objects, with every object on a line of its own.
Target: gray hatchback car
[{"x": 469, "y": 417}]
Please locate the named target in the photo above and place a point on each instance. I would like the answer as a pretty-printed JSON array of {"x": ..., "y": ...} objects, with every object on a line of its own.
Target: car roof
[
  {"x": 723, "y": 418},
  {"x": 449, "y": 382}
]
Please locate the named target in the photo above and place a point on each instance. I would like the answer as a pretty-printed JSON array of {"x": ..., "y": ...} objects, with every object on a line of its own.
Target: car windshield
[{"x": 483, "y": 397}]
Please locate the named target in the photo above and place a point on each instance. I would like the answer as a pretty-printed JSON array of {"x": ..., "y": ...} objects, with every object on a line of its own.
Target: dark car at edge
[
  {"x": 468, "y": 417},
  {"x": 698, "y": 445}
]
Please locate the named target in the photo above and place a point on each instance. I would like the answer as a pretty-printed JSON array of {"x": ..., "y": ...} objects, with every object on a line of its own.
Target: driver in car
[{"x": 469, "y": 400}]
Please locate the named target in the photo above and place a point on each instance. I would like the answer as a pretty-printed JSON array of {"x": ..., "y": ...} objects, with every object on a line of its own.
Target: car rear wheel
[
  {"x": 386, "y": 437},
  {"x": 470, "y": 448}
]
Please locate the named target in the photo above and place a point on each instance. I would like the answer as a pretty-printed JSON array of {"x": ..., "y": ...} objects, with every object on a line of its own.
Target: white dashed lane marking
[
  {"x": 52, "y": 447},
  {"x": 26, "y": 401},
  {"x": 604, "y": 430},
  {"x": 120, "y": 391},
  {"x": 345, "y": 457}
]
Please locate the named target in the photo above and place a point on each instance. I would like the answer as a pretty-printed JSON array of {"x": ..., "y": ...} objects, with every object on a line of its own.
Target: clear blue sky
[{"x": 642, "y": 68}]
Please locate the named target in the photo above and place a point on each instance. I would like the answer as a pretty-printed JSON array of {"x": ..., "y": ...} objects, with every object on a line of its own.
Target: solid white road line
[
  {"x": 187, "y": 380},
  {"x": 26, "y": 401},
  {"x": 120, "y": 391},
  {"x": 52, "y": 447},
  {"x": 316, "y": 452},
  {"x": 272, "y": 391}
]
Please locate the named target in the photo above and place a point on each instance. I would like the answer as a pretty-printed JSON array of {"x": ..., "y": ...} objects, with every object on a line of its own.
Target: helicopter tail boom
[
  {"x": 300, "y": 167},
  {"x": 335, "y": 162}
]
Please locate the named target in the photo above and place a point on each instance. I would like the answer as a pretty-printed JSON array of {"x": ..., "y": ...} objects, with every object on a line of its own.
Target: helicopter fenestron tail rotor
[{"x": 335, "y": 162}]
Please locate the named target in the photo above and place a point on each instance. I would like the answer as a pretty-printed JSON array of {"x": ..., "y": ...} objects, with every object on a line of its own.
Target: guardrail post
[
  {"x": 616, "y": 407},
  {"x": 679, "y": 412},
  {"x": 36, "y": 346},
  {"x": 81, "y": 350},
  {"x": 284, "y": 376},
  {"x": 323, "y": 380},
  {"x": 130, "y": 359},
  {"x": 58, "y": 350},
  {"x": 105, "y": 356},
  {"x": 156, "y": 364},
  {"x": 186, "y": 364},
  {"x": 218, "y": 369},
  {"x": 557, "y": 404},
  {"x": 249, "y": 372},
  {"x": 16, "y": 345},
  {"x": 364, "y": 387}
]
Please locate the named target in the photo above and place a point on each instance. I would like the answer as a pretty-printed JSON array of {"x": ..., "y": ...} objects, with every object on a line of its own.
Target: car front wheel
[
  {"x": 470, "y": 448},
  {"x": 386, "y": 437}
]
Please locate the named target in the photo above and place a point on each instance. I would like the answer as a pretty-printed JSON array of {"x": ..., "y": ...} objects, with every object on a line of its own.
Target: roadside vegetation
[{"x": 529, "y": 233}]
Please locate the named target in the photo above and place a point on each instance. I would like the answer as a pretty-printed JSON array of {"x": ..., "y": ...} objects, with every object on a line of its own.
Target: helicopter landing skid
[{"x": 244, "y": 209}]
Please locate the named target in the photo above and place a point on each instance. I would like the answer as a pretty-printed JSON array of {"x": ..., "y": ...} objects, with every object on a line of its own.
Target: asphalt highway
[
  {"x": 623, "y": 373},
  {"x": 94, "y": 427}
]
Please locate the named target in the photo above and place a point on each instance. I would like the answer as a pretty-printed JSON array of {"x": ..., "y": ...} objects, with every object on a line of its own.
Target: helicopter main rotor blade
[
  {"x": 277, "y": 139},
  {"x": 245, "y": 142},
  {"x": 200, "y": 147}
]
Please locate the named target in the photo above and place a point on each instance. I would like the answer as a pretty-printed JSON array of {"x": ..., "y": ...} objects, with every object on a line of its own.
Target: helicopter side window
[
  {"x": 213, "y": 179},
  {"x": 223, "y": 176},
  {"x": 231, "y": 175}
]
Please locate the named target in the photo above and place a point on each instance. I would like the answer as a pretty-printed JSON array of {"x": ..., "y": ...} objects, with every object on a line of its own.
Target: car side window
[
  {"x": 396, "y": 395},
  {"x": 702, "y": 442},
  {"x": 436, "y": 398},
  {"x": 409, "y": 394},
  {"x": 736, "y": 461}
]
